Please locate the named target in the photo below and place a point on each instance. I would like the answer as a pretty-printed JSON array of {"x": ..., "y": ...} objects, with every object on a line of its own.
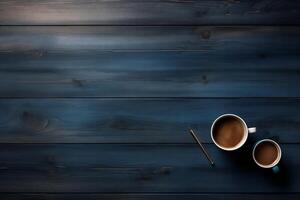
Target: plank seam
[
  {"x": 147, "y": 98},
  {"x": 124, "y": 143},
  {"x": 153, "y": 193},
  {"x": 163, "y": 25}
]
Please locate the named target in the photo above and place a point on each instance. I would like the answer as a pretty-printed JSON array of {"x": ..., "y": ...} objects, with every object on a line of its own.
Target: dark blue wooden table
[{"x": 96, "y": 97}]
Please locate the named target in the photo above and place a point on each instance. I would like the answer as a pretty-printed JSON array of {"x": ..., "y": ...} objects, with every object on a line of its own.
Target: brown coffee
[
  {"x": 228, "y": 131},
  {"x": 266, "y": 153}
]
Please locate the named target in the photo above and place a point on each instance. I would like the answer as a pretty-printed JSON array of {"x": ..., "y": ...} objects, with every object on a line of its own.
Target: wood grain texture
[
  {"x": 143, "y": 12},
  {"x": 140, "y": 120},
  {"x": 85, "y": 168},
  {"x": 39, "y": 196},
  {"x": 149, "y": 61},
  {"x": 100, "y": 111}
]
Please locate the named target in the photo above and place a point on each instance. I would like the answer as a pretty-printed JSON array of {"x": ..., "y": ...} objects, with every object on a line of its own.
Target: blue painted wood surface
[
  {"x": 158, "y": 120},
  {"x": 140, "y": 168},
  {"x": 96, "y": 97},
  {"x": 149, "y": 196},
  {"x": 141, "y": 12},
  {"x": 149, "y": 61}
]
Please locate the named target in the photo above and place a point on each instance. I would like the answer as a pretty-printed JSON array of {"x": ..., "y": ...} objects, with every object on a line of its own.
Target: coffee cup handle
[
  {"x": 275, "y": 169},
  {"x": 252, "y": 130}
]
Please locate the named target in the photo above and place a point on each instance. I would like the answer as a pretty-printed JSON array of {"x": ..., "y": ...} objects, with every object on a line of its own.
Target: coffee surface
[
  {"x": 266, "y": 153},
  {"x": 228, "y": 132}
]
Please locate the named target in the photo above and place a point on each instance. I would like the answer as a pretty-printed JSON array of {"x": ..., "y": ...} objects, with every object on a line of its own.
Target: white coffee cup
[
  {"x": 273, "y": 165},
  {"x": 246, "y": 132}
]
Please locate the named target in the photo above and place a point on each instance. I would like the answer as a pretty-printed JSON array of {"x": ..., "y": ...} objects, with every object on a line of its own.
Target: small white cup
[
  {"x": 246, "y": 132},
  {"x": 274, "y": 165}
]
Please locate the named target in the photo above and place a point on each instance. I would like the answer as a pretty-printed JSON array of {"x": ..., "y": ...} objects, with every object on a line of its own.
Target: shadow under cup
[{"x": 229, "y": 132}]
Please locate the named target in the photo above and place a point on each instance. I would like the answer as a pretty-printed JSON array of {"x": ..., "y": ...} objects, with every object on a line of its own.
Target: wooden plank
[
  {"x": 84, "y": 39},
  {"x": 86, "y": 168},
  {"x": 177, "y": 196},
  {"x": 141, "y": 12},
  {"x": 140, "y": 120},
  {"x": 149, "y": 61}
]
